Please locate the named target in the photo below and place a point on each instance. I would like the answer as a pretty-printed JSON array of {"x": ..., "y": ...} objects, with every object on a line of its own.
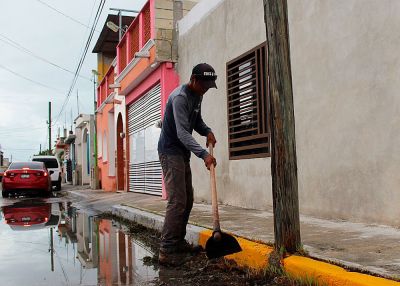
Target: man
[{"x": 182, "y": 116}]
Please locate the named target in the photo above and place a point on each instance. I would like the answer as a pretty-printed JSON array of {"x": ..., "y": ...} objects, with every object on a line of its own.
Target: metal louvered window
[
  {"x": 248, "y": 112},
  {"x": 145, "y": 175}
]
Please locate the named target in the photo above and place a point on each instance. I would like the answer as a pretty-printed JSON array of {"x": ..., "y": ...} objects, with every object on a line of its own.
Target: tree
[{"x": 283, "y": 141}]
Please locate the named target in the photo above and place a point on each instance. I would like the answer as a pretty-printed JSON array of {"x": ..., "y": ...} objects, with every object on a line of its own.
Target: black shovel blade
[{"x": 225, "y": 246}]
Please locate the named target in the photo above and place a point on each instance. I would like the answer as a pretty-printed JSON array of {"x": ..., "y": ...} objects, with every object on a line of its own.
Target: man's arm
[
  {"x": 204, "y": 130},
  {"x": 201, "y": 127},
  {"x": 181, "y": 116}
]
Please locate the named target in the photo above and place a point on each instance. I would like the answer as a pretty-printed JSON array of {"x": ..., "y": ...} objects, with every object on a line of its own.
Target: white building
[{"x": 84, "y": 149}]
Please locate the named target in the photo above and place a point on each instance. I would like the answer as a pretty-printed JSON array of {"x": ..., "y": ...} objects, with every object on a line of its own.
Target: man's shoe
[
  {"x": 185, "y": 247},
  {"x": 172, "y": 259}
]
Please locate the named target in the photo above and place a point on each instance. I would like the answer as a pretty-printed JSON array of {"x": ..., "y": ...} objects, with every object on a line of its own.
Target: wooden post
[{"x": 283, "y": 140}]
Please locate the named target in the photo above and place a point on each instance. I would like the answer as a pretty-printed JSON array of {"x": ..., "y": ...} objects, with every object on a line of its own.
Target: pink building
[{"x": 146, "y": 75}]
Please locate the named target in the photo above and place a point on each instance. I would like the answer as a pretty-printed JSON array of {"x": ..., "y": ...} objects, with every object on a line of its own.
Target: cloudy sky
[{"x": 41, "y": 43}]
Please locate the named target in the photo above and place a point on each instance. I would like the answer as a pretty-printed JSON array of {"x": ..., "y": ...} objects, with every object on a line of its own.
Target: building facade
[
  {"x": 345, "y": 67},
  {"x": 84, "y": 149},
  {"x": 145, "y": 76},
  {"x": 108, "y": 105}
]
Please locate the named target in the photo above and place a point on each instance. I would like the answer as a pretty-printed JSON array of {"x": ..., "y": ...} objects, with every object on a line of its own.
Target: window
[
  {"x": 248, "y": 111},
  {"x": 99, "y": 145},
  {"x": 105, "y": 150},
  {"x": 50, "y": 163},
  {"x": 30, "y": 165}
]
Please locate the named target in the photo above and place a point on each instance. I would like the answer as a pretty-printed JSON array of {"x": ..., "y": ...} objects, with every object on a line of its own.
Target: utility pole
[
  {"x": 95, "y": 183},
  {"x": 283, "y": 140},
  {"x": 40, "y": 149},
  {"x": 49, "y": 128}
]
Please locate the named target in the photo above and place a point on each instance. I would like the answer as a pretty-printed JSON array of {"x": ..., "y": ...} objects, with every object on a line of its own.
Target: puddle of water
[{"x": 55, "y": 244}]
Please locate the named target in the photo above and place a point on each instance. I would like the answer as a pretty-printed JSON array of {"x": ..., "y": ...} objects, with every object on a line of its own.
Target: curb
[
  {"x": 154, "y": 221},
  {"x": 325, "y": 273}
]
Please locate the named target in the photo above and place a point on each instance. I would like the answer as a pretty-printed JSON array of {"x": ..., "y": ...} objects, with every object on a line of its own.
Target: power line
[
  {"x": 31, "y": 80},
  {"x": 25, "y": 50},
  {"x": 96, "y": 19},
  {"x": 65, "y": 15}
]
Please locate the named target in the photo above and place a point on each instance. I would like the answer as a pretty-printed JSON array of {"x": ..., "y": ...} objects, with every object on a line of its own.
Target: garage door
[{"x": 145, "y": 175}]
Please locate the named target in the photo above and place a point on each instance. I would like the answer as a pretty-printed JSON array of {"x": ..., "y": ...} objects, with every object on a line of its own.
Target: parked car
[
  {"x": 2, "y": 170},
  {"x": 26, "y": 177},
  {"x": 52, "y": 164}
]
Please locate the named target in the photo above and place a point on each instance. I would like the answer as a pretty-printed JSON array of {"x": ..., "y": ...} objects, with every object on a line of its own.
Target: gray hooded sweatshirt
[{"x": 182, "y": 115}]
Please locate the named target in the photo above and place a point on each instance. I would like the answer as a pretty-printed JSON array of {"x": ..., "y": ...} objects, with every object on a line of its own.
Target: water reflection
[
  {"x": 66, "y": 246},
  {"x": 29, "y": 215}
]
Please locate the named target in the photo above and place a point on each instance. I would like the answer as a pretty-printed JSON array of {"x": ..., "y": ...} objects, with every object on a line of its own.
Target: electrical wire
[
  {"x": 31, "y": 80},
  {"x": 65, "y": 15},
  {"x": 82, "y": 59},
  {"x": 16, "y": 45}
]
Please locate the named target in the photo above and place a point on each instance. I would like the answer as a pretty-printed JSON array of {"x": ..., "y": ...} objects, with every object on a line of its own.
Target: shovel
[{"x": 219, "y": 244}]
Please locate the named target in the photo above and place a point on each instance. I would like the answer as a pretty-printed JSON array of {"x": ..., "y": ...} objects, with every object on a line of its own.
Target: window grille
[
  {"x": 122, "y": 56},
  {"x": 248, "y": 112},
  {"x": 134, "y": 41},
  {"x": 146, "y": 24}
]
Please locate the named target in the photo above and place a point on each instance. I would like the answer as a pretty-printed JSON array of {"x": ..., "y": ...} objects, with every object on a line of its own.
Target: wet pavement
[
  {"x": 64, "y": 241},
  {"x": 49, "y": 242}
]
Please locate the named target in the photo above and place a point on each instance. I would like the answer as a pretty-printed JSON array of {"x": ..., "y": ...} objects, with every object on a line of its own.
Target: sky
[{"x": 41, "y": 43}]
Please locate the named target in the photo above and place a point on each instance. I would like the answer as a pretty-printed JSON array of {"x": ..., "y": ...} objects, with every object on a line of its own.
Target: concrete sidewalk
[{"x": 371, "y": 248}]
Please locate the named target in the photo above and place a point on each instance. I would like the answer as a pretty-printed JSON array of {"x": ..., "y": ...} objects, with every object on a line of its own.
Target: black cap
[{"x": 205, "y": 73}]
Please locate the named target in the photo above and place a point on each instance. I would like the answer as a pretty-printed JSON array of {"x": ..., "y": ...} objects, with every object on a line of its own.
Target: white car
[{"x": 52, "y": 164}]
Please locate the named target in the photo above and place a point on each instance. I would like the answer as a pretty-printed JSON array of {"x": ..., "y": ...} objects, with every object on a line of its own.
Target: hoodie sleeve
[
  {"x": 201, "y": 127},
  {"x": 181, "y": 116}
]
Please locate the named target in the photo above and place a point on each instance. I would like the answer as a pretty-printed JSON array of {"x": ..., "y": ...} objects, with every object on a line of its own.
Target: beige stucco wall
[
  {"x": 231, "y": 28},
  {"x": 346, "y": 70}
]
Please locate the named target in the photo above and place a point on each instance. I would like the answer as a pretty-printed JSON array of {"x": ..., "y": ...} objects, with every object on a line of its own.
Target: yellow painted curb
[
  {"x": 253, "y": 255},
  {"x": 328, "y": 274}
]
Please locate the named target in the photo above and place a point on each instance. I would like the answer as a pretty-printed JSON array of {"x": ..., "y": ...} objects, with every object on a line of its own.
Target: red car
[{"x": 26, "y": 177}]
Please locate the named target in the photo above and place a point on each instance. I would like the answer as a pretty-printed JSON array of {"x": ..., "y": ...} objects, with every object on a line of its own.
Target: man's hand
[
  {"x": 209, "y": 160},
  {"x": 211, "y": 139}
]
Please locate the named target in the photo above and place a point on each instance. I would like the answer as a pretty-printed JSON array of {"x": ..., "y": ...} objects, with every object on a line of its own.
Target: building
[
  {"x": 84, "y": 149},
  {"x": 107, "y": 110},
  {"x": 70, "y": 157},
  {"x": 345, "y": 67},
  {"x": 141, "y": 78},
  {"x": 146, "y": 75}
]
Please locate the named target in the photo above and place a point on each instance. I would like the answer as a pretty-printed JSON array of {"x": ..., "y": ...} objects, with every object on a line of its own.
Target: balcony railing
[
  {"x": 138, "y": 34},
  {"x": 103, "y": 90}
]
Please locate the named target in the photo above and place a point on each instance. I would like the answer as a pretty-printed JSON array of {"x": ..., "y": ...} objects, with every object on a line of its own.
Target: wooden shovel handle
[{"x": 214, "y": 200}]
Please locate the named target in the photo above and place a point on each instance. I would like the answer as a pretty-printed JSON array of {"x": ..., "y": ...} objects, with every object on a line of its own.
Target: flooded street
[
  {"x": 64, "y": 240},
  {"x": 52, "y": 243}
]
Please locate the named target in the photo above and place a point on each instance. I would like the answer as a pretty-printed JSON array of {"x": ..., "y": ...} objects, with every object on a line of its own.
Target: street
[{"x": 63, "y": 241}]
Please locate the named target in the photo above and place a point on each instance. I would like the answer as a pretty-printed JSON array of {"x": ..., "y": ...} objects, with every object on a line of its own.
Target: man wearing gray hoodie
[{"x": 182, "y": 116}]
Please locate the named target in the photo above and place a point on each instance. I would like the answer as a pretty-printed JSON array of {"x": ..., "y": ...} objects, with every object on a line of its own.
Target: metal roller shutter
[{"x": 145, "y": 175}]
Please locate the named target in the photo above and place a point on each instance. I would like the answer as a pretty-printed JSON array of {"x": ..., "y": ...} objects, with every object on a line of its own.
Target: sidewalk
[{"x": 371, "y": 248}]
